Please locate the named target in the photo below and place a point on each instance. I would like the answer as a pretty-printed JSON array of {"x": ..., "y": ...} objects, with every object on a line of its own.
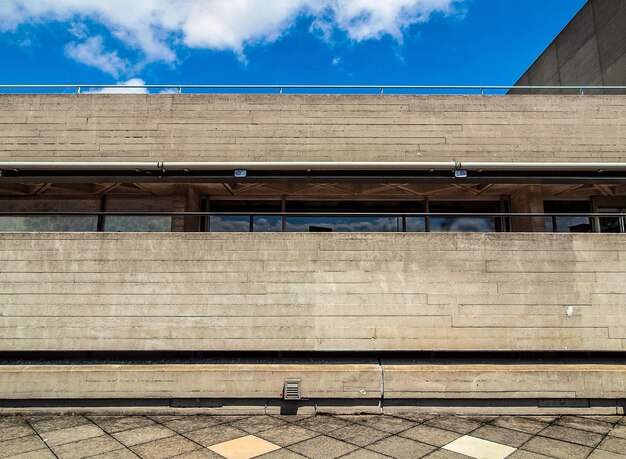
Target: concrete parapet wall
[
  {"x": 284, "y": 127},
  {"x": 312, "y": 292}
]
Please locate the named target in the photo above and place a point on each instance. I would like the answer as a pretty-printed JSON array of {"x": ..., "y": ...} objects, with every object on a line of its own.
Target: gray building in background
[{"x": 591, "y": 50}]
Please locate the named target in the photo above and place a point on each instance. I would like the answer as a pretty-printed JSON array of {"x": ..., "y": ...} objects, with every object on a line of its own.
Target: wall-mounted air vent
[{"x": 292, "y": 389}]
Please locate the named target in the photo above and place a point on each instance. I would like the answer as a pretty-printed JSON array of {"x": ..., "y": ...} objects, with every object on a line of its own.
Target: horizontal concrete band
[
  {"x": 256, "y": 128},
  {"x": 342, "y": 380},
  {"x": 312, "y": 292}
]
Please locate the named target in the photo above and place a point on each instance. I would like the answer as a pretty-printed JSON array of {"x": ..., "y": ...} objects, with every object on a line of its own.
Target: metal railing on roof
[{"x": 300, "y": 88}]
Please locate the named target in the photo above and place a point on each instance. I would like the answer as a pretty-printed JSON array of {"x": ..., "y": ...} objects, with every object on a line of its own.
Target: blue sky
[{"x": 276, "y": 41}]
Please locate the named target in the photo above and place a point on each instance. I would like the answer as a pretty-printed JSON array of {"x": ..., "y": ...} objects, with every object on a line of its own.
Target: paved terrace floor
[{"x": 322, "y": 436}]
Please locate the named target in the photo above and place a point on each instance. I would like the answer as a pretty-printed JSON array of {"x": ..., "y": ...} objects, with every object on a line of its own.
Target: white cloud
[
  {"x": 91, "y": 52},
  {"x": 158, "y": 27},
  {"x": 123, "y": 88}
]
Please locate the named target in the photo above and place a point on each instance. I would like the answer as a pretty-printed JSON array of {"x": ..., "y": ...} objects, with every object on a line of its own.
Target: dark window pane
[
  {"x": 265, "y": 224},
  {"x": 462, "y": 224},
  {"x": 343, "y": 224},
  {"x": 229, "y": 224}
]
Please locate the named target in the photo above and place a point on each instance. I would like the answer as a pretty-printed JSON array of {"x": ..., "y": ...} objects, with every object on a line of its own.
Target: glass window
[
  {"x": 116, "y": 223},
  {"x": 344, "y": 224},
  {"x": 567, "y": 224},
  {"x": 48, "y": 223},
  {"x": 468, "y": 224}
]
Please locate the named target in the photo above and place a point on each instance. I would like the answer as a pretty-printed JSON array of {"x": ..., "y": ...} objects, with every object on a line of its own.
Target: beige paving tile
[
  {"x": 203, "y": 453},
  {"x": 613, "y": 445},
  {"x": 72, "y": 434},
  {"x": 599, "y": 454},
  {"x": 357, "y": 434},
  {"x": 254, "y": 424},
  {"x": 479, "y": 448},
  {"x": 528, "y": 425},
  {"x": 591, "y": 425},
  {"x": 322, "y": 423},
  {"x": 287, "y": 434},
  {"x": 322, "y": 447},
  {"x": 580, "y": 437},
  {"x": 430, "y": 435},
  {"x": 282, "y": 453},
  {"x": 454, "y": 423},
  {"x": 244, "y": 448},
  {"x": 508, "y": 437},
  {"x": 43, "y": 424},
  {"x": 556, "y": 448},
  {"x": 401, "y": 448},
  {"x": 112, "y": 424},
  {"x": 21, "y": 445},
  {"x": 165, "y": 448},
  {"x": 216, "y": 434},
  {"x": 86, "y": 448},
  {"x": 143, "y": 435}
]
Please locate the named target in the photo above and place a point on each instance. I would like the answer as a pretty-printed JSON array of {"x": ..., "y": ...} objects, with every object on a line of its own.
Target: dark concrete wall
[{"x": 590, "y": 50}]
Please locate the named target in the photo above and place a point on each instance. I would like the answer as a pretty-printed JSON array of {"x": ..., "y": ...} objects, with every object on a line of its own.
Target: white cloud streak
[
  {"x": 157, "y": 28},
  {"x": 123, "y": 88}
]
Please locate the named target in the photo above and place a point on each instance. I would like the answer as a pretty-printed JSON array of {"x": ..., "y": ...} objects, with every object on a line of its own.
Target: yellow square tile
[
  {"x": 479, "y": 448},
  {"x": 244, "y": 447}
]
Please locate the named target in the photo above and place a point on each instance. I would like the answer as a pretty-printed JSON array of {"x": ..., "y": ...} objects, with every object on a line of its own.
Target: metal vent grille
[{"x": 292, "y": 389}]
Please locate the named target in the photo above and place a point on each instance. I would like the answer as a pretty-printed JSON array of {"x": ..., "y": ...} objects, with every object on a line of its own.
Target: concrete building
[{"x": 158, "y": 251}]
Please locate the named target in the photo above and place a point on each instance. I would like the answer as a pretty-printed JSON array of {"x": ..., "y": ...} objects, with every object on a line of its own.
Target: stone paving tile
[
  {"x": 531, "y": 426},
  {"x": 71, "y": 434},
  {"x": 282, "y": 454},
  {"x": 591, "y": 425},
  {"x": 286, "y": 435},
  {"x": 507, "y": 437},
  {"x": 556, "y": 448},
  {"x": 44, "y": 424},
  {"x": 117, "y": 454},
  {"x": 165, "y": 448},
  {"x": 521, "y": 454},
  {"x": 579, "y": 437},
  {"x": 401, "y": 448},
  {"x": 38, "y": 454},
  {"x": 364, "y": 454},
  {"x": 203, "y": 453},
  {"x": 15, "y": 429},
  {"x": 21, "y": 445},
  {"x": 92, "y": 446},
  {"x": 143, "y": 435},
  {"x": 454, "y": 423},
  {"x": 358, "y": 435},
  {"x": 210, "y": 436},
  {"x": 430, "y": 435},
  {"x": 323, "y": 423},
  {"x": 618, "y": 431},
  {"x": 444, "y": 454},
  {"x": 254, "y": 424},
  {"x": 323, "y": 447},
  {"x": 182, "y": 424},
  {"x": 605, "y": 418},
  {"x": 613, "y": 445},
  {"x": 599, "y": 454},
  {"x": 112, "y": 424},
  {"x": 388, "y": 424}
]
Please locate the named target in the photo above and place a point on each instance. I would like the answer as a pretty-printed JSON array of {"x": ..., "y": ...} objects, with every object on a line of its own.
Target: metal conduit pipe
[{"x": 312, "y": 166}]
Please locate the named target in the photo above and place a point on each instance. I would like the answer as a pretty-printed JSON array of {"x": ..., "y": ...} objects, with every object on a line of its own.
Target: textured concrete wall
[
  {"x": 316, "y": 128},
  {"x": 363, "y": 381},
  {"x": 591, "y": 50},
  {"x": 119, "y": 291}
]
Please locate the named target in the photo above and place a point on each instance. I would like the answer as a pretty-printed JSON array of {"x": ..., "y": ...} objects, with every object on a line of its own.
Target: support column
[
  {"x": 527, "y": 199},
  {"x": 192, "y": 204}
]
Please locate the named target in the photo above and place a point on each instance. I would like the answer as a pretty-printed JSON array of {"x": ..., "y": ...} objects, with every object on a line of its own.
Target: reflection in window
[
  {"x": 344, "y": 224},
  {"x": 155, "y": 223},
  {"x": 49, "y": 223},
  {"x": 266, "y": 224},
  {"x": 558, "y": 224},
  {"x": 229, "y": 224},
  {"x": 468, "y": 224}
]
